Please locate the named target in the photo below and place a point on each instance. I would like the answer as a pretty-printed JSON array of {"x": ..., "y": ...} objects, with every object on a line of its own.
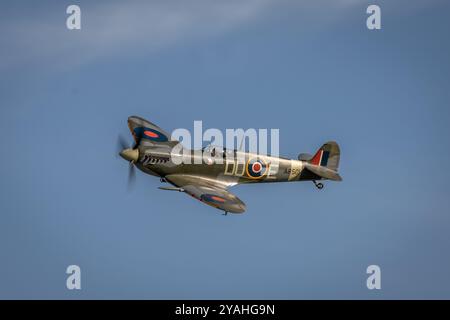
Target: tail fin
[{"x": 327, "y": 156}]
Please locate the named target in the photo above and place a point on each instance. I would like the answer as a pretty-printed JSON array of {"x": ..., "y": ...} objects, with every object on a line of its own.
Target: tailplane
[{"x": 325, "y": 162}]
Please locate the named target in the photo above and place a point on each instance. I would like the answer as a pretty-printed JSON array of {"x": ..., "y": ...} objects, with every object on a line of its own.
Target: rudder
[{"x": 327, "y": 156}]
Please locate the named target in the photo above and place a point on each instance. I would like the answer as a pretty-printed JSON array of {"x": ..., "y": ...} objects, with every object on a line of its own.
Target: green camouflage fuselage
[{"x": 232, "y": 168}]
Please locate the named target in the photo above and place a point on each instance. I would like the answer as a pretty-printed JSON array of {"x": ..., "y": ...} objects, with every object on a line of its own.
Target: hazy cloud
[
  {"x": 39, "y": 34},
  {"x": 109, "y": 27}
]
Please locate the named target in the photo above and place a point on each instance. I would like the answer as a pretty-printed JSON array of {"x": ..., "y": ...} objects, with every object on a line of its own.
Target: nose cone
[{"x": 130, "y": 154}]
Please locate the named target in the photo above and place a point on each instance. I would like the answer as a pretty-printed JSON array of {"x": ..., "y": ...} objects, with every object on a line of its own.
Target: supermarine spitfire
[{"x": 209, "y": 181}]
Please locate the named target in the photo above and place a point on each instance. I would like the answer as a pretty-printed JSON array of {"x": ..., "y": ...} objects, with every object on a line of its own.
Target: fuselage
[{"x": 229, "y": 166}]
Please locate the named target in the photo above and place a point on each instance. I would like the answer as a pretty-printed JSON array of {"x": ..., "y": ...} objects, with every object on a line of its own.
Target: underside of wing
[
  {"x": 208, "y": 191},
  {"x": 147, "y": 133}
]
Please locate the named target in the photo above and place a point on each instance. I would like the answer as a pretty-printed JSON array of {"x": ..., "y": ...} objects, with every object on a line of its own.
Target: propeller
[
  {"x": 129, "y": 154},
  {"x": 131, "y": 175},
  {"x": 121, "y": 144}
]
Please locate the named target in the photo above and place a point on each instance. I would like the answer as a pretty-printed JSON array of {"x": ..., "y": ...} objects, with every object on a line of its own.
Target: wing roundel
[
  {"x": 145, "y": 131},
  {"x": 208, "y": 192}
]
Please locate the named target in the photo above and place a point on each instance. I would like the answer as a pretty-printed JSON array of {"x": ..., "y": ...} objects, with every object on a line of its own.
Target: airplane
[{"x": 209, "y": 181}]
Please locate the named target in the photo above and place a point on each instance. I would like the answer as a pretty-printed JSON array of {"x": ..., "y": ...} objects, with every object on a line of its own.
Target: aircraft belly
[{"x": 147, "y": 170}]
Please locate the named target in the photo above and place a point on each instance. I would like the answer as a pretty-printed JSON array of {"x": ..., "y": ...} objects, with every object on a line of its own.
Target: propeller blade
[
  {"x": 122, "y": 146},
  {"x": 121, "y": 143},
  {"x": 131, "y": 175}
]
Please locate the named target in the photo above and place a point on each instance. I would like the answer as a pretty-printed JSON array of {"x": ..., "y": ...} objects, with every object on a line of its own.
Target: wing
[
  {"x": 147, "y": 133},
  {"x": 208, "y": 191}
]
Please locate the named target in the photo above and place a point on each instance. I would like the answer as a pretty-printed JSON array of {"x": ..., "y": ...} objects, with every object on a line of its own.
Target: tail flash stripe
[
  {"x": 317, "y": 158},
  {"x": 324, "y": 160}
]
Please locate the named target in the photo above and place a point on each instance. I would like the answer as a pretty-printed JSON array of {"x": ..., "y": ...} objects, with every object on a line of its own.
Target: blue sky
[{"x": 313, "y": 70}]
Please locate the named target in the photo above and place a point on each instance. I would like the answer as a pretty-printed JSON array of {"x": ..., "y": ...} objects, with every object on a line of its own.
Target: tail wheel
[{"x": 318, "y": 185}]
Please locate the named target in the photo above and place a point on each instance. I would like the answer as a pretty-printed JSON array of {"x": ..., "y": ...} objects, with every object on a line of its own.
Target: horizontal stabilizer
[
  {"x": 323, "y": 172},
  {"x": 305, "y": 157}
]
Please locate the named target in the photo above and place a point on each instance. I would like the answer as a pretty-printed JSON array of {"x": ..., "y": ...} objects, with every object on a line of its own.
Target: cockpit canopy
[{"x": 218, "y": 151}]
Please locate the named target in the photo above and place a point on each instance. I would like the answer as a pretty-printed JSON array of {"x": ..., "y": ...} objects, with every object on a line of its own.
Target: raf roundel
[
  {"x": 211, "y": 198},
  {"x": 256, "y": 168},
  {"x": 150, "y": 134}
]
